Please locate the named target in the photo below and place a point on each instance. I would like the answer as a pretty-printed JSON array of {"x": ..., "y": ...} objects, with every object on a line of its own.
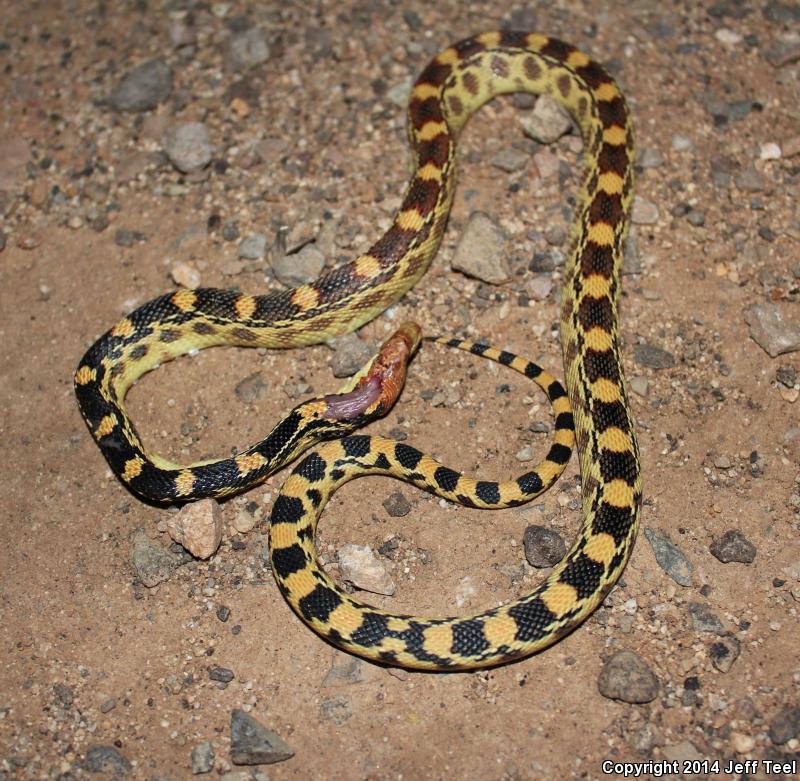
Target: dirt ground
[{"x": 309, "y": 139}]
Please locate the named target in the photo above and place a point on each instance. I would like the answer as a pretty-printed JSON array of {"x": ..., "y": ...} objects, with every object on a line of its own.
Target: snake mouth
[{"x": 378, "y": 390}]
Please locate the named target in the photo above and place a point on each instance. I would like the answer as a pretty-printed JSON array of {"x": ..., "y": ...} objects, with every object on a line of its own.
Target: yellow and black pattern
[{"x": 452, "y": 87}]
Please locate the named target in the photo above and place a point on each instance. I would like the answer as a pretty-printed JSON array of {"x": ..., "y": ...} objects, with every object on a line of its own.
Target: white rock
[
  {"x": 359, "y": 565},
  {"x": 185, "y": 275},
  {"x": 770, "y": 151},
  {"x": 197, "y": 527},
  {"x": 728, "y": 36}
]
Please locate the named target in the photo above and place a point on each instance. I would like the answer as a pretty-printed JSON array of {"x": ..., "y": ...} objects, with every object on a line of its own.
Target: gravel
[
  {"x": 785, "y": 725},
  {"x": 247, "y": 49}
]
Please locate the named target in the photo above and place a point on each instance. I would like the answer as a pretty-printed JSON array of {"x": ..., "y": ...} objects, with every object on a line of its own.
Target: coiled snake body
[{"x": 452, "y": 87}]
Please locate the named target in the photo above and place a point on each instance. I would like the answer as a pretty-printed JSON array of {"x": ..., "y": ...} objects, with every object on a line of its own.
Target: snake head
[{"x": 376, "y": 392}]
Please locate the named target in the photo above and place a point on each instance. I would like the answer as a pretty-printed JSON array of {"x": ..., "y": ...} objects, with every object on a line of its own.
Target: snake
[{"x": 453, "y": 86}]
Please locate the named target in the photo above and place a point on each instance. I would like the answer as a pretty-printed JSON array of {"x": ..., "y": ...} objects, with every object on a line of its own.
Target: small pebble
[
  {"x": 303, "y": 266},
  {"x": 197, "y": 526},
  {"x": 785, "y": 725},
  {"x": 704, "y": 619},
  {"x": 397, "y": 505},
  {"x": 510, "y": 160},
  {"x": 108, "y": 760},
  {"x": 185, "y": 275},
  {"x": 253, "y": 247},
  {"x": 681, "y": 143},
  {"x": 547, "y": 122},
  {"x": 771, "y": 330},
  {"x": 724, "y": 652},
  {"x": 359, "y": 565},
  {"x": 151, "y": 563},
  {"x": 221, "y": 674},
  {"x": 350, "y": 353},
  {"x": 669, "y": 557},
  {"x": 223, "y": 613},
  {"x": 742, "y": 744},
  {"x": 142, "y": 88},
  {"x": 769, "y": 151},
  {"x": 628, "y": 677},
  {"x": 653, "y": 357},
  {"x": 254, "y": 744},
  {"x": 644, "y": 212},
  {"x": 251, "y": 388},
  {"x": 733, "y": 546},
  {"x": 188, "y": 146},
  {"x": 247, "y": 49},
  {"x": 481, "y": 251},
  {"x": 202, "y": 758},
  {"x": 543, "y": 547}
]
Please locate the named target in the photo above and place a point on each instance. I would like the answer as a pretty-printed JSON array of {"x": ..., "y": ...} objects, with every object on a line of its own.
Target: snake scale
[{"x": 451, "y": 88}]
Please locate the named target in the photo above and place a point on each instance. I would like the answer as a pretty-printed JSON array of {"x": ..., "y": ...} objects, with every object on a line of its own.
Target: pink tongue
[{"x": 345, "y": 406}]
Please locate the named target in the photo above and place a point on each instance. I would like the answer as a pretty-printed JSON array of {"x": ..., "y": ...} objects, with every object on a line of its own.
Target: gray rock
[
  {"x": 644, "y": 212},
  {"x": 481, "y": 251},
  {"x": 188, "y": 146},
  {"x": 547, "y": 122},
  {"x": 152, "y": 564},
  {"x": 787, "y": 376},
  {"x": 336, "y": 709},
  {"x": 397, "y": 505},
  {"x": 770, "y": 331},
  {"x": 106, "y": 759},
  {"x": 704, "y": 619},
  {"x": 64, "y": 694},
  {"x": 543, "y": 547},
  {"x": 253, "y": 247},
  {"x": 345, "y": 670},
  {"x": 670, "y": 557},
  {"x": 750, "y": 180},
  {"x": 127, "y": 238},
  {"x": 510, "y": 160},
  {"x": 350, "y": 353},
  {"x": 785, "y": 725},
  {"x": 247, "y": 49},
  {"x": 301, "y": 267},
  {"x": 143, "y": 87},
  {"x": 681, "y": 143},
  {"x": 254, "y": 744},
  {"x": 546, "y": 261},
  {"x": 733, "y": 546},
  {"x": 251, "y": 388},
  {"x": 221, "y": 674},
  {"x": 202, "y": 758},
  {"x": 628, "y": 677},
  {"x": 639, "y": 385},
  {"x": 653, "y": 357},
  {"x": 230, "y": 230},
  {"x": 724, "y": 652},
  {"x": 650, "y": 157}
]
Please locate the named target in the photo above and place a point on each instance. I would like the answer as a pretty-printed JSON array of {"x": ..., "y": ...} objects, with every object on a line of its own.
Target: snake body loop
[{"x": 451, "y": 88}]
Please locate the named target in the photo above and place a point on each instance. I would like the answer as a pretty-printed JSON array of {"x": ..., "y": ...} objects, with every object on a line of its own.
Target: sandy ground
[{"x": 312, "y": 134}]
